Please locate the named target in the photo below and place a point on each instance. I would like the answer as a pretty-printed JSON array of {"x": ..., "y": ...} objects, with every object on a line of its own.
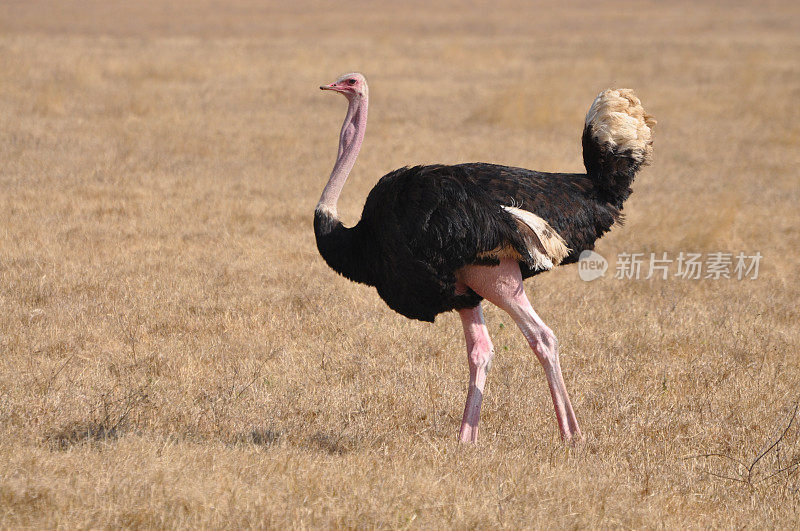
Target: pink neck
[{"x": 350, "y": 139}]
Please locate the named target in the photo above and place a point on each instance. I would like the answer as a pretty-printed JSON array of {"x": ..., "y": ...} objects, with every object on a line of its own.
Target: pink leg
[
  {"x": 502, "y": 285},
  {"x": 479, "y": 356}
]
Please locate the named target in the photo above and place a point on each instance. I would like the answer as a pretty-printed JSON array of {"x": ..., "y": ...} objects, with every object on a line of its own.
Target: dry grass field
[{"x": 175, "y": 353}]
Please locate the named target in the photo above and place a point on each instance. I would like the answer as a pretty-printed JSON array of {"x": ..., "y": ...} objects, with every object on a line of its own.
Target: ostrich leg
[
  {"x": 502, "y": 285},
  {"x": 479, "y": 357}
]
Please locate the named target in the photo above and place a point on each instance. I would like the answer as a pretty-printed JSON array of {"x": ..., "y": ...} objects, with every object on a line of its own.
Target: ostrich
[{"x": 437, "y": 238}]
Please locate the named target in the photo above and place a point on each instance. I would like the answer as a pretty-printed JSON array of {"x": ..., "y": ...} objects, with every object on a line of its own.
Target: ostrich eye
[{"x": 351, "y": 81}]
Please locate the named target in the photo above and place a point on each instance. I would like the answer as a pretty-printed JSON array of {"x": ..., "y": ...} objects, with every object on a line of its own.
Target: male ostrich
[{"x": 438, "y": 238}]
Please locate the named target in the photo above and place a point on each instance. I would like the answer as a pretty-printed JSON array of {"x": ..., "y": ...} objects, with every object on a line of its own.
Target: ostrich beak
[{"x": 332, "y": 87}]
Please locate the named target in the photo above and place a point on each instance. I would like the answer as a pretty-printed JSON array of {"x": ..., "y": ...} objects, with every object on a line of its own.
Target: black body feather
[{"x": 421, "y": 224}]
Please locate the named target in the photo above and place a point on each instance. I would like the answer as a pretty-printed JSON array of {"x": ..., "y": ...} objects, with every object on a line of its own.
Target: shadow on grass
[
  {"x": 82, "y": 432},
  {"x": 76, "y": 433},
  {"x": 333, "y": 444},
  {"x": 259, "y": 437}
]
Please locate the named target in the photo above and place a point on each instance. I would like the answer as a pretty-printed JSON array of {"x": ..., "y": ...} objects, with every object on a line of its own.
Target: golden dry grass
[{"x": 173, "y": 351}]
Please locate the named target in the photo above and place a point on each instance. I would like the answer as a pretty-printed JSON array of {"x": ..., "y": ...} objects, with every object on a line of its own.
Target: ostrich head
[{"x": 353, "y": 85}]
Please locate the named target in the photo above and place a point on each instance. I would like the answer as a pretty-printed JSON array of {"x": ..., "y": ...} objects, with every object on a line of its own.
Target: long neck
[
  {"x": 343, "y": 249},
  {"x": 350, "y": 139}
]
